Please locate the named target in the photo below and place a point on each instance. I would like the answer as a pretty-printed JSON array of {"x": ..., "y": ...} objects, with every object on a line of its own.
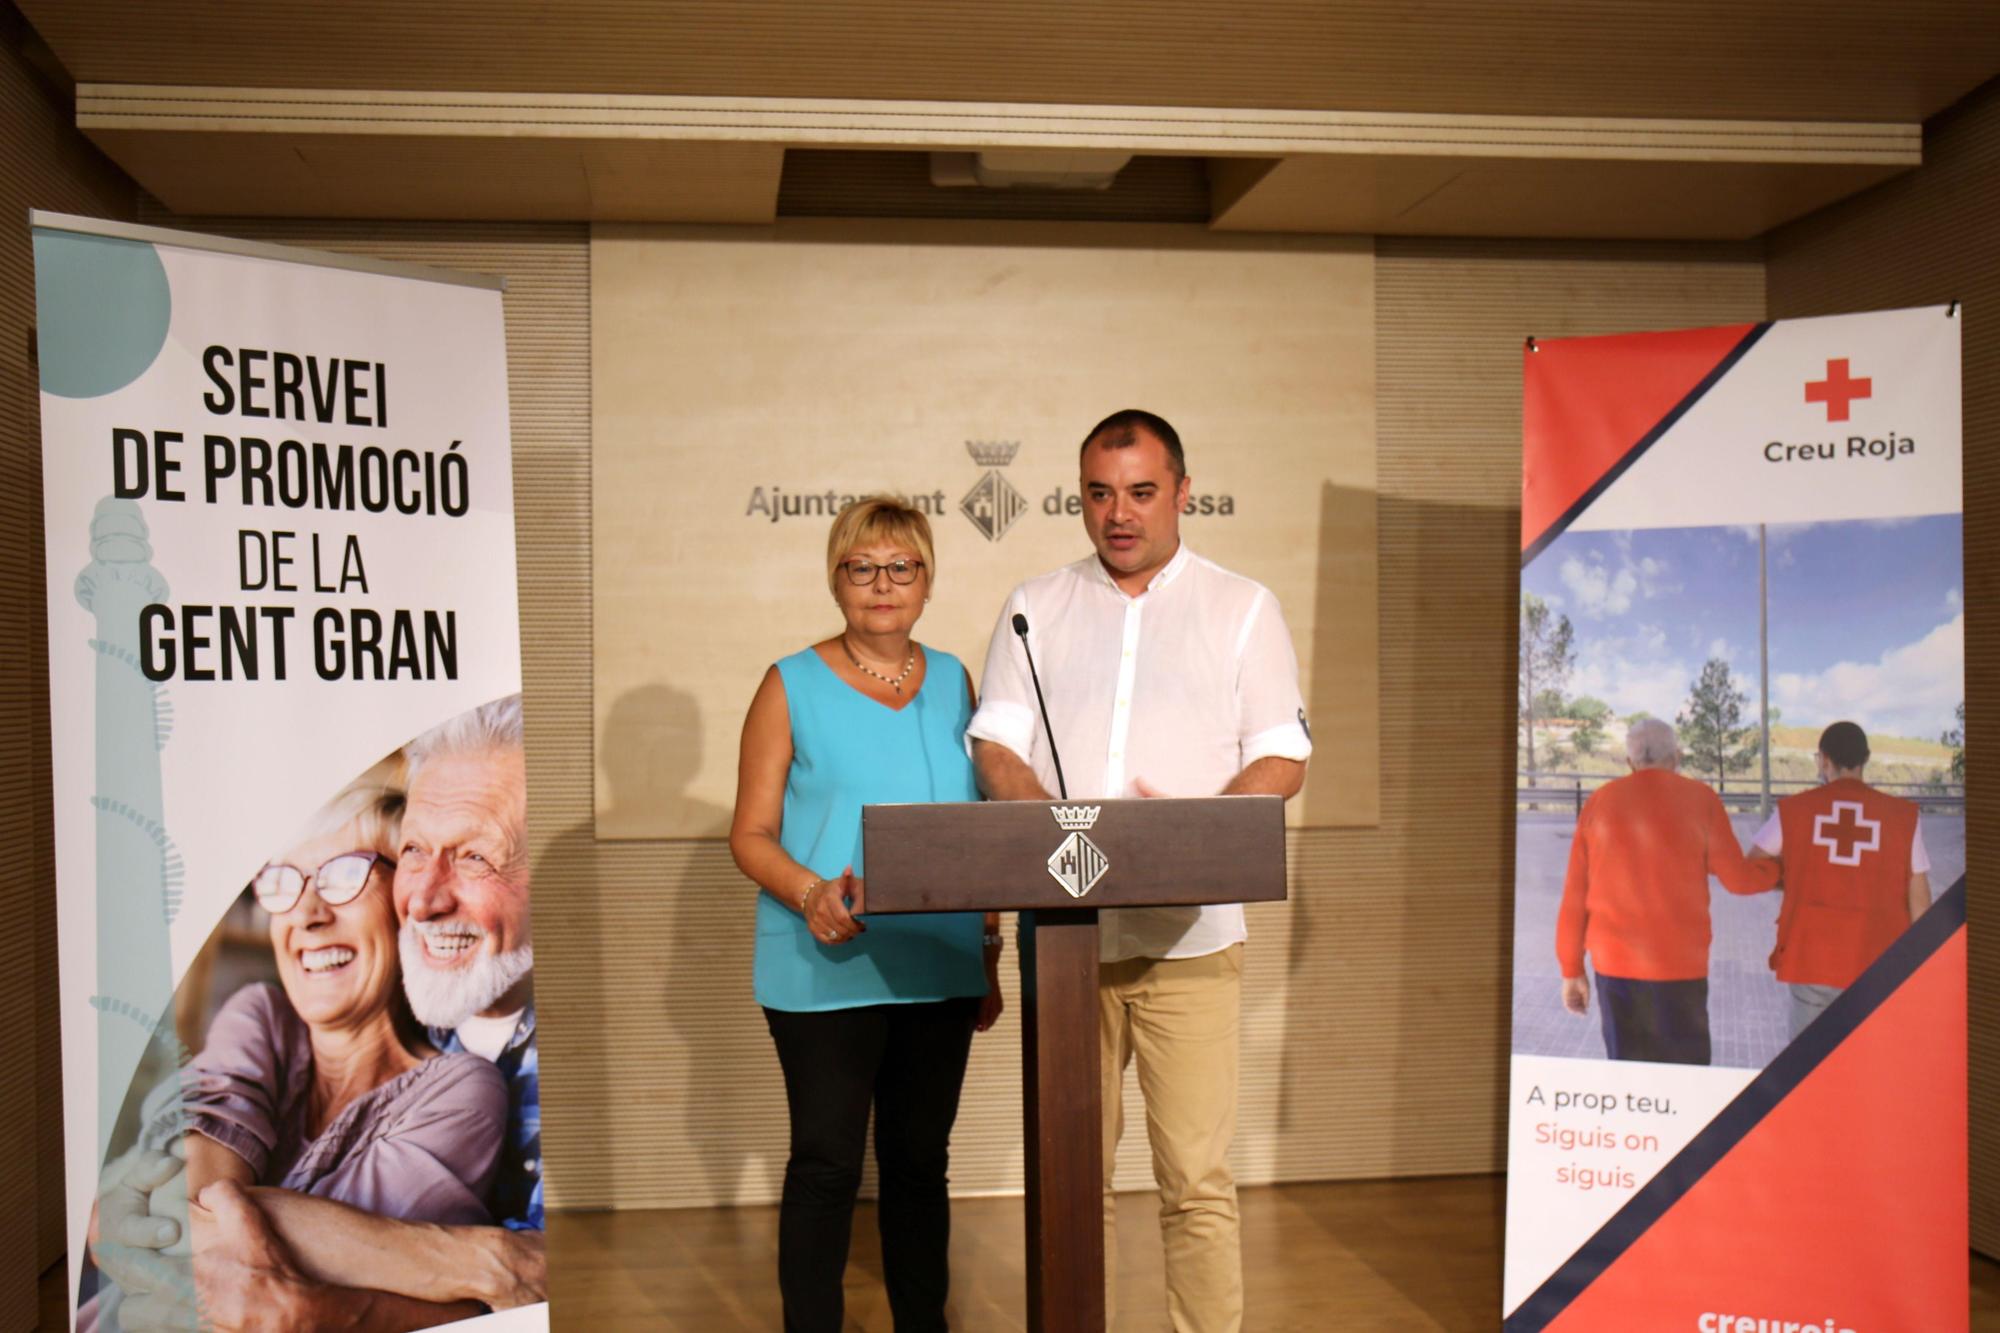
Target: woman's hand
[
  {"x": 991, "y": 1004},
  {"x": 828, "y": 911},
  {"x": 123, "y": 1213}
]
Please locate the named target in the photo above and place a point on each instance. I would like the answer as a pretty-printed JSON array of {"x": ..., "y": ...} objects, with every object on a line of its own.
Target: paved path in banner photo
[{"x": 1747, "y": 1006}]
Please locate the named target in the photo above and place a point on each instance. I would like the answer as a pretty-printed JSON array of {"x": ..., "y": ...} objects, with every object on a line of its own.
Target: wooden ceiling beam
[
  {"x": 971, "y": 125},
  {"x": 1827, "y": 60},
  {"x": 373, "y": 153}
]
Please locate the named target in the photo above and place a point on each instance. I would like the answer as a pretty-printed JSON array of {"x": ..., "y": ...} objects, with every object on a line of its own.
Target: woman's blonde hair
[
  {"x": 889, "y": 519},
  {"x": 372, "y": 804}
]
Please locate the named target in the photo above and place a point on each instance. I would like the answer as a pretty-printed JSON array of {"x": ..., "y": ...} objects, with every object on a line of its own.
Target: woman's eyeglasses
[
  {"x": 338, "y": 881},
  {"x": 863, "y": 572}
]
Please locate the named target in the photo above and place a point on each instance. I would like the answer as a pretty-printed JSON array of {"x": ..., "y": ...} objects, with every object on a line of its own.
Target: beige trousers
[{"x": 1178, "y": 1017}]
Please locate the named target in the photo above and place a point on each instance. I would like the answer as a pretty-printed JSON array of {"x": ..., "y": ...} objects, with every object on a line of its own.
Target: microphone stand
[{"x": 1021, "y": 628}]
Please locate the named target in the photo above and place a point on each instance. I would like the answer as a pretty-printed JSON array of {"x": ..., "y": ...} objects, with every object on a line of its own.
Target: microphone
[{"x": 1021, "y": 628}]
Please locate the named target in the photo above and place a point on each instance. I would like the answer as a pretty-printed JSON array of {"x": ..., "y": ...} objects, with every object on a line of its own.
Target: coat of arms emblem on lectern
[{"x": 1078, "y": 864}]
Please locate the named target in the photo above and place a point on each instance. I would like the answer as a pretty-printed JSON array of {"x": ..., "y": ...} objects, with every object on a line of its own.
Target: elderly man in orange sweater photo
[{"x": 1635, "y": 900}]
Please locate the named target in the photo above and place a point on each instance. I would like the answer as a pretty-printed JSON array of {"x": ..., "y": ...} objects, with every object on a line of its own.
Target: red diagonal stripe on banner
[
  {"x": 1588, "y": 402},
  {"x": 1847, "y": 1202}
]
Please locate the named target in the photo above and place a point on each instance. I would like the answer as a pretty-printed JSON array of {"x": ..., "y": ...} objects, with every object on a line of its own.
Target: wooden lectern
[{"x": 1058, "y": 862}]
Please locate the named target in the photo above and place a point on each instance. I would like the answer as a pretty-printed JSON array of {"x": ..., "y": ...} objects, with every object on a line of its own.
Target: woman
[
  {"x": 863, "y": 1011},
  {"x": 324, "y": 1084}
]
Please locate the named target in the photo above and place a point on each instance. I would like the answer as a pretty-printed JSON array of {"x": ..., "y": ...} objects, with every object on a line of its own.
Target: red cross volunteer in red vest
[{"x": 1855, "y": 875}]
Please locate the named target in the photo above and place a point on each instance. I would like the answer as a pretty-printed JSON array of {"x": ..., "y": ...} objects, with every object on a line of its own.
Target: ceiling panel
[
  {"x": 1759, "y": 59},
  {"x": 1441, "y": 196},
  {"x": 499, "y": 179},
  {"x": 837, "y": 183}
]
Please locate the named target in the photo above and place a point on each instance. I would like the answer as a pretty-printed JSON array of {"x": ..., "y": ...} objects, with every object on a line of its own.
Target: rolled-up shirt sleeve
[
  {"x": 237, "y": 1090},
  {"x": 1006, "y": 714},
  {"x": 1270, "y": 713},
  {"x": 1770, "y": 839}
]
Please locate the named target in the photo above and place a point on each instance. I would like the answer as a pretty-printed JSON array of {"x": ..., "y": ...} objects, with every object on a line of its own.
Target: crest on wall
[{"x": 992, "y": 504}]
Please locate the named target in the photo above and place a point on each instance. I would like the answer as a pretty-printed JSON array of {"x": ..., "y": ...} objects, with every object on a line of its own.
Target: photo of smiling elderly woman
[{"x": 324, "y": 1083}]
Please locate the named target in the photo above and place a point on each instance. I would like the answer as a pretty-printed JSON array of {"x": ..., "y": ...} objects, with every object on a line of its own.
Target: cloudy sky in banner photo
[{"x": 1867, "y": 617}]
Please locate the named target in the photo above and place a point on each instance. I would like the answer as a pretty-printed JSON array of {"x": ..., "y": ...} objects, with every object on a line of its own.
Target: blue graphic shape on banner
[
  {"x": 138, "y": 869},
  {"x": 102, "y": 309}
]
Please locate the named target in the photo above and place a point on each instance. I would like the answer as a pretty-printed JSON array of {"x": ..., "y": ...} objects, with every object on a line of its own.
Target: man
[
  {"x": 1636, "y": 900},
  {"x": 1844, "y": 848},
  {"x": 1165, "y": 675},
  {"x": 461, "y": 892},
  {"x": 462, "y": 895}
]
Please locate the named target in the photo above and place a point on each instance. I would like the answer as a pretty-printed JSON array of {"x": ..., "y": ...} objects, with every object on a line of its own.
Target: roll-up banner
[
  {"x": 298, "y": 1036},
  {"x": 1738, "y": 1101}
]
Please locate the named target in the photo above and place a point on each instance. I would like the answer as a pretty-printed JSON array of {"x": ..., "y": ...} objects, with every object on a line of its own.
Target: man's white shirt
[
  {"x": 1181, "y": 687},
  {"x": 488, "y": 1037}
]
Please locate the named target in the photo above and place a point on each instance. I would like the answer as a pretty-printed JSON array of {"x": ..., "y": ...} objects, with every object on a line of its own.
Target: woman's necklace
[{"x": 895, "y": 684}]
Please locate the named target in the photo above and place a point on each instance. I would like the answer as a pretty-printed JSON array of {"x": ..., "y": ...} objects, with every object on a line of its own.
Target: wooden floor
[
  {"x": 1403, "y": 1255},
  {"x": 1374, "y": 1255},
  {"x": 1387, "y": 1255}
]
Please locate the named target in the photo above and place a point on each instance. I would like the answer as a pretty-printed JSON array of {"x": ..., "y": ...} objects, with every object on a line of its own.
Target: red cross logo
[
  {"x": 1838, "y": 389},
  {"x": 1842, "y": 833}
]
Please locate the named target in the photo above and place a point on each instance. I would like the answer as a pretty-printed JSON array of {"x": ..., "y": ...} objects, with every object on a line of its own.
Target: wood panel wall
[
  {"x": 1414, "y": 954},
  {"x": 1931, "y": 237},
  {"x": 44, "y": 163},
  {"x": 1374, "y": 1029}
]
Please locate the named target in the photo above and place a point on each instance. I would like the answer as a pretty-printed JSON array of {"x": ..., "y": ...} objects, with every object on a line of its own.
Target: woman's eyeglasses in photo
[{"x": 338, "y": 881}]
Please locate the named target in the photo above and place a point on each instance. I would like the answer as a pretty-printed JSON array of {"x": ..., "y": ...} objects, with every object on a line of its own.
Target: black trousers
[
  {"x": 1663, "y": 1021},
  {"x": 908, "y": 1062}
]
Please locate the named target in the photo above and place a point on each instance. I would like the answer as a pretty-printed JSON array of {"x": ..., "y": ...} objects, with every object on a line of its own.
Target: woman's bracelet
[
  {"x": 805, "y": 899},
  {"x": 992, "y": 940}
]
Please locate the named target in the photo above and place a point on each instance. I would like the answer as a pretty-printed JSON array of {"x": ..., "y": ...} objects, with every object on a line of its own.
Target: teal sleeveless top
[{"x": 849, "y": 751}]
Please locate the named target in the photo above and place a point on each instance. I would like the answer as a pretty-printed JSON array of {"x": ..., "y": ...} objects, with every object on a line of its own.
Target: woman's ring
[{"x": 830, "y": 936}]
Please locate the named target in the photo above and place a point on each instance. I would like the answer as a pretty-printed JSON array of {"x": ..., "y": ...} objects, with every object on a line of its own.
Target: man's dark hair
[
  {"x": 1121, "y": 430},
  {"x": 1845, "y": 744}
]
